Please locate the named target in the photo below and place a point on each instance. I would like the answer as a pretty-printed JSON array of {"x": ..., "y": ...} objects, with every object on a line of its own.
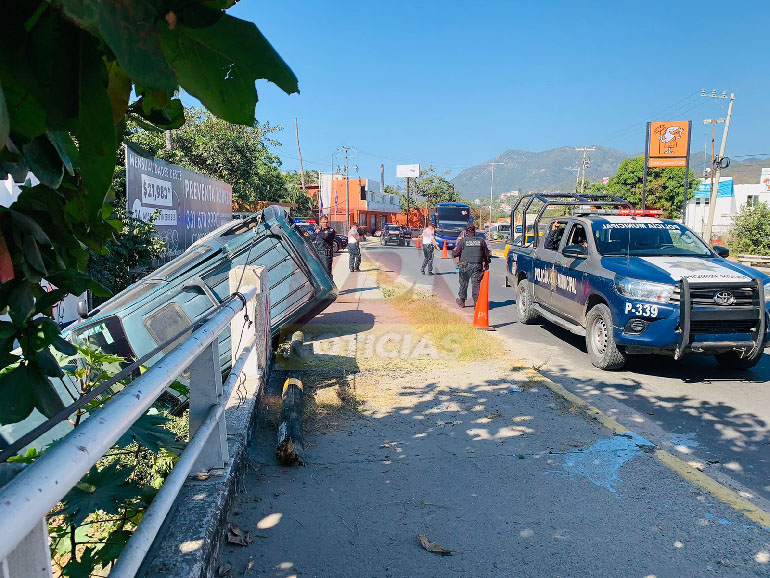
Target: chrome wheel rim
[{"x": 599, "y": 336}]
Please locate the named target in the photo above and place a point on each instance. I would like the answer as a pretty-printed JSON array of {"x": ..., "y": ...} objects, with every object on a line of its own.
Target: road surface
[{"x": 716, "y": 418}]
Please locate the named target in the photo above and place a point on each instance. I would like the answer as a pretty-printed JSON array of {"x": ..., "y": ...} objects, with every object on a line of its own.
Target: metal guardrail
[{"x": 34, "y": 492}]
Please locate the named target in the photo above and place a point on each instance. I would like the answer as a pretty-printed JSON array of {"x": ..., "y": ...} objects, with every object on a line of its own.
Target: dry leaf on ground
[
  {"x": 224, "y": 569},
  {"x": 431, "y": 546},
  {"x": 237, "y": 536}
]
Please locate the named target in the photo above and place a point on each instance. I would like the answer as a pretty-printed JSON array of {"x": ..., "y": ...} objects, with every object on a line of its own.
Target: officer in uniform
[
  {"x": 324, "y": 243},
  {"x": 474, "y": 256}
]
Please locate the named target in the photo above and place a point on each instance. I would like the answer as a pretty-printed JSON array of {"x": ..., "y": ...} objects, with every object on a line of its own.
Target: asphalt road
[{"x": 716, "y": 418}]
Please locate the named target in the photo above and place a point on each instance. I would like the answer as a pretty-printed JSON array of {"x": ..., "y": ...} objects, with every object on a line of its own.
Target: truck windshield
[
  {"x": 647, "y": 240},
  {"x": 453, "y": 215}
]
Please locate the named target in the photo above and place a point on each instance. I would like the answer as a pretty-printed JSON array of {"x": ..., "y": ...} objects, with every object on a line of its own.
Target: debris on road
[
  {"x": 433, "y": 547},
  {"x": 224, "y": 569},
  {"x": 290, "y": 448},
  {"x": 237, "y": 536}
]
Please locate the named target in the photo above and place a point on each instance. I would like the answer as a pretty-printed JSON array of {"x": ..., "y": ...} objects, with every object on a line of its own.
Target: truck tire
[
  {"x": 337, "y": 247},
  {"x": 732, "y": 360},
  {"x": 600, "y": 342},
  {"x": 383, "y": 242},
  {"x": 527, "y": 313}
]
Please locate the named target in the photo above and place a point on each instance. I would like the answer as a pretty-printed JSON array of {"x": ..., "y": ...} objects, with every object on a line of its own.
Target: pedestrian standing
[
  {"x": 324, "y": 242},
  {"x": 474, "y": 256},
  {"x": 429, "y": 245},
  {"x": 354, "y": 248}
]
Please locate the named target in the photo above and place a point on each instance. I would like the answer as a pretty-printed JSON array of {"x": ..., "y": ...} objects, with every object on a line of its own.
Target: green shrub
[{"x": 750, "y": 234}]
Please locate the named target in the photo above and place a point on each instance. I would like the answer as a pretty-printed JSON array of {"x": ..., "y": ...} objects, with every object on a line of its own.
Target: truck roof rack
[{"x": 562, "y": 200}]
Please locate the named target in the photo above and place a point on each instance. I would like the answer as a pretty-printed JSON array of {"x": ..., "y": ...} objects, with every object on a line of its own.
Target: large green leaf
[
  {"x": 104, "y": 490},
  {"x": 65, "y": 147},
  {"x": 16, "y": 398},
  {"x": 44, "y": 161},
  {"x": 148, "y": 430},
  {"x": 113, "y": 546},
  {"x": 21, "y": 302},
  {"x": 219, "y": 65},
  {"x": 96, "y": 135},
  {"x": 76, "y": 282},
  {"x": 128, "y": 27},
  {"x": 5, "y": 124}
]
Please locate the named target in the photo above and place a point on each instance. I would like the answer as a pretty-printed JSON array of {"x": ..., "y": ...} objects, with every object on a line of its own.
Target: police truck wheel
[
  {"x": 337, "y": 247},
  {"x": 600, "y": 342},
  {"x": 733, "y": 360},
  {"x": 527, "y": 314}
]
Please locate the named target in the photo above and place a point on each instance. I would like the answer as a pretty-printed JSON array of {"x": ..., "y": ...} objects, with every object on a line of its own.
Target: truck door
[
  {"x": 545, "y": 256},
  {"x": 568, "y": 291}
]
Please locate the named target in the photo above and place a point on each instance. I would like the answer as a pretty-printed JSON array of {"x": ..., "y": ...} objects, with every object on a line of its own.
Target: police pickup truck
[{"x": 632, "y": 283}]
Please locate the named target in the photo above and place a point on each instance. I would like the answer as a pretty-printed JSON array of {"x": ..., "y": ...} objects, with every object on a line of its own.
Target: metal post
[
  {"x": 31, "y": 558},
  {"x": 687, "y": 174},
  {"x": 206, "y": 391},
  {"x": 646, "y": 162}
]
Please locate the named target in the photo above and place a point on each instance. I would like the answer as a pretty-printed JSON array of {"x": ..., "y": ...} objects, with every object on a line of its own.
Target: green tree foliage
[
  {"x": 68, "y": 70},
  {"x": 130, "y": 254},
  {"x": 665, "y": 187},
  {"x": 750, "y": 233},
  {"x": 293, "y": 193},
  {"x": 237, "y": 154},
  {"x": 434, "y": 188}
]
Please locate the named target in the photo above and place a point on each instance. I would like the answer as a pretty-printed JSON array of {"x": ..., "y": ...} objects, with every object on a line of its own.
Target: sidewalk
[{"x": 406, "y": 435}]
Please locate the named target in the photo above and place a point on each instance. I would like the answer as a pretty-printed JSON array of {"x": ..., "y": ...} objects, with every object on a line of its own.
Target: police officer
[
  {"x": 474, "y": 256},
  {"x": 324, "y": 243}
]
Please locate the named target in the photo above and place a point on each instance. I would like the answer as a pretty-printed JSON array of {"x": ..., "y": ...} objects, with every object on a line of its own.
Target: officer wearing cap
[
  {"x": 474, "y": 257},
  {"x": 324, "y": 242}
]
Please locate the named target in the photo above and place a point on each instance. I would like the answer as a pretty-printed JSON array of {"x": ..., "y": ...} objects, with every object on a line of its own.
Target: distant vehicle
[
  {"x": 396, "y": 235},
  {"x": 499, "y": 231},
  {"x": 630, "y": 282},
  {"x": 450, "y": 221},
  {"x": 308, "y": 228}
]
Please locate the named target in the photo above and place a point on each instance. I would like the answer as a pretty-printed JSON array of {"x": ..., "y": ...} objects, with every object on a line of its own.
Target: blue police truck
[
  {"x": 631, "y": 282},
  {"x": 450, "y": 221}
]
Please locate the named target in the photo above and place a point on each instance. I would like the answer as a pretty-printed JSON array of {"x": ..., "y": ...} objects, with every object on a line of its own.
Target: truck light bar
[{"x": 641, "y": 212}]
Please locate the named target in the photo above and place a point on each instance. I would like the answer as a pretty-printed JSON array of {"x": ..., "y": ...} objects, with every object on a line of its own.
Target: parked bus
[{"x": 450, "y": 220}]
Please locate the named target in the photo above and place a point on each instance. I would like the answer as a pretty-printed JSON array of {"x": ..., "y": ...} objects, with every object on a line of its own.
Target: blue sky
[{"x": 454, "y": 84}]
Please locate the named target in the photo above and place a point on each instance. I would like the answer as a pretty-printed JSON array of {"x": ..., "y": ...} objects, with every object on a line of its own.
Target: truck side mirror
[
  {"x": 575, "y": 252},
  {"x": 723, "y": 252},
  {"x": 83, "y": 309}
]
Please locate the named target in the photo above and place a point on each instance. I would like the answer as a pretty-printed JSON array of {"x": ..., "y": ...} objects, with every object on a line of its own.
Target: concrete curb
[{"x": 188, "y": 544}]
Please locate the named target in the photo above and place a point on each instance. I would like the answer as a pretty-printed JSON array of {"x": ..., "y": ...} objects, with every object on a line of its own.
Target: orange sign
[{"x": 669, "y": 140}]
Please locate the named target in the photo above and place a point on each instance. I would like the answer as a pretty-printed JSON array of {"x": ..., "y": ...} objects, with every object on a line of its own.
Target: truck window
[
  {"x": 577, "y": 236},
  {"x": 648, "y": 240}
]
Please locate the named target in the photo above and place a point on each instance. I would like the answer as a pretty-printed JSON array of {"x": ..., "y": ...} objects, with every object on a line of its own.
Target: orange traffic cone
[
  {"x": 419, "y": 242},
  {"x": 481, "y": 313},
  {"x": 444, "y": 254}
]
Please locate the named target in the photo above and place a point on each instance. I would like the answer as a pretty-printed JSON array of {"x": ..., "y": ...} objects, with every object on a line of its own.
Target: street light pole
[
  {"x": 491, "y": 189},
  {"x": 716, "y": 166}
]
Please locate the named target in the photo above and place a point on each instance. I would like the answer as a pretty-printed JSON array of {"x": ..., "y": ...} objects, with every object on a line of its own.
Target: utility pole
[
  {"x": 299, "y": 152},
  {"x": 491, "y": 189},
  {"x": 586, "y": 164},
  {"x": 346, "y": 149},
  {"x": 717, "y": 163}
]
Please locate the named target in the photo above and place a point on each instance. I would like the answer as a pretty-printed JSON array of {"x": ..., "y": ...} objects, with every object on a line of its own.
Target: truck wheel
[
  {"x": 337, "y": 247},
  {"x": 527, "y": 314},
  {"x": 600, "y": 342},
  {"x": 382, "y": 241},
  {"x": 732, "y": 360}
]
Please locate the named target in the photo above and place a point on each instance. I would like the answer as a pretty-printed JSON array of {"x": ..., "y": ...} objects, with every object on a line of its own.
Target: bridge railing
[{"x": 29, "y": 497}]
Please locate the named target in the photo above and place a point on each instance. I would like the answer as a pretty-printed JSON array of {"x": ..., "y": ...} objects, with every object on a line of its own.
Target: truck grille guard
[{"x": 692, "y": 308}]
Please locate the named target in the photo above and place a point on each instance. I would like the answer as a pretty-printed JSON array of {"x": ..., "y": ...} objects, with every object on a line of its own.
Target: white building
[{"x": 730, "y": 199}]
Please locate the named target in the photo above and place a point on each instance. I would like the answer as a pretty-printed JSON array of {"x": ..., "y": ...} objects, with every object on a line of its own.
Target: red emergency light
[{"x": 640, "y": 212}]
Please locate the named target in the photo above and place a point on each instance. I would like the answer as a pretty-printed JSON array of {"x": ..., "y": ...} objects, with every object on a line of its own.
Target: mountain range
[
  {"x": 548, "y": 170},
  {"x": 537, "y": 171}
]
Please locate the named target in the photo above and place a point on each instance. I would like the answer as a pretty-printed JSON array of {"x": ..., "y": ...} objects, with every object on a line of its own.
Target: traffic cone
[
  {"x": 444, "y": 254},
  {"x": 419, "y": 242},
  {"x": 481, "y": 312}
]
